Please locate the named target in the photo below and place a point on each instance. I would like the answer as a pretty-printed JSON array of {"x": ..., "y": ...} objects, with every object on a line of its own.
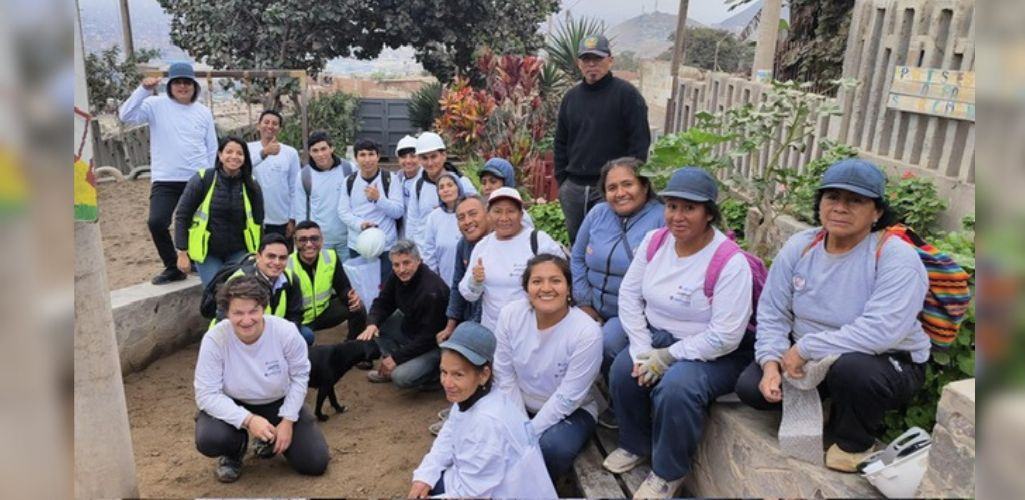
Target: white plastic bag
[{"x": 365, "y": 277}]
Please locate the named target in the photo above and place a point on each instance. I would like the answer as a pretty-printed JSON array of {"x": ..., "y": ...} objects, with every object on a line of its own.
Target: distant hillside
[
  {"x": 647, "y": 35},
  {"x": 737, "y": 22}
]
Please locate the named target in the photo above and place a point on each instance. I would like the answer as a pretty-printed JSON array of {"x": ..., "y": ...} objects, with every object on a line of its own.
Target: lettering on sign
[{"x": 937, "y": 92}]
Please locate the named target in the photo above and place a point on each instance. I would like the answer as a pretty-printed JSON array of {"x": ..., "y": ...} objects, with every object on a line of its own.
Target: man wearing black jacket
[
  {"x": 600, "y": 119},
  {"x": 410, "y": 353}
]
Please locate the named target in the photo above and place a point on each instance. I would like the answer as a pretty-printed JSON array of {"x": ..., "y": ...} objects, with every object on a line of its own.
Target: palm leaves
[{"x": 562, "y": 45}]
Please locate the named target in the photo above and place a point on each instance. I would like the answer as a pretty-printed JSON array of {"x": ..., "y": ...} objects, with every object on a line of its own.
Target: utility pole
[
  {"x": 126, "y": 29},
  {"x": 768, "y": 33},
  {"x": 679, "y": 53},
  {"x": 104, "y": 461}
]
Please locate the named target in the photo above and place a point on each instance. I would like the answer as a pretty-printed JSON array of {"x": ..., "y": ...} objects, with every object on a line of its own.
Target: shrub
[
  {"x": 337, "y": 113},
  {"x": 109, "y": 78},
  {"x": 424, "y": 107},
  {"x": 548, "y": 217},
  {"x": 916, "y": 202},
  {"x": 694, "y": 147},
  {"x": 734, "y": 214}
]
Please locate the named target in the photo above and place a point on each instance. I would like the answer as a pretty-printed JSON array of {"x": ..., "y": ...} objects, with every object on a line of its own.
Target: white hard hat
[
  {"x": 407, "y": 142},
  {"x": 429, "y": 141},
  {"x": 897, "y": 470},
  {"x": 370, "y": 243}
]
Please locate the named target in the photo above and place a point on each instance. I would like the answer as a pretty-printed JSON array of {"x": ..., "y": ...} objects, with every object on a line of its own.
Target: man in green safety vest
[{"x": 322, "y": 281}]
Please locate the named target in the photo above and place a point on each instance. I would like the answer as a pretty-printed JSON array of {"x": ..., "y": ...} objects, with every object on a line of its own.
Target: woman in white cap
[
  {"x": 548, "y": 356},
  {"x": 442, "y": 230},
  {"x": 843, "y": 290},
  {"x": 497, "y": 262},
  {"x": 683, "y": 351},
  {"x": 430, "y": 151},
  {"x": 484, "y": 449}
]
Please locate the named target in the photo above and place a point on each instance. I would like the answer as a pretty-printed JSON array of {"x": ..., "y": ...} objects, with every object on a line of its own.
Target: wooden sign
[{"x": 937, "y": 92}]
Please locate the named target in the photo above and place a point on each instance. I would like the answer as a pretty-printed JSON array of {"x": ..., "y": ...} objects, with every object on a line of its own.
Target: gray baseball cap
[
  {"x": 857, "y": 176},
  {"x": 594, "y": 44},
  {"x": 474, "y": 341},
  {"x": 691, "y": 183}
]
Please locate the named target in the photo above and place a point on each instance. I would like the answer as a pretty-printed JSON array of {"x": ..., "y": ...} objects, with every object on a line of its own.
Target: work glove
[{"x": 654, "y": 364}]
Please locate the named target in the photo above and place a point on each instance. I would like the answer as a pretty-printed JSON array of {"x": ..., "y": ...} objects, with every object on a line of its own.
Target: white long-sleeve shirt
[
  {"x": 668, "y": 293},
  {"x": 504, "y": 263},
  {"x": 277, "y": 175},
  {"x": 486, "y": 452},
  {"x": 411, "y": 227},
  {"x": 439, "y": 249},
  {"x": 182, "y": 137},
  {"x": 275, "y": 366},
  {"x": 324, "y": 199},
  {"x": 553, "y": 370},
  {"x": 354, "y": 209}
]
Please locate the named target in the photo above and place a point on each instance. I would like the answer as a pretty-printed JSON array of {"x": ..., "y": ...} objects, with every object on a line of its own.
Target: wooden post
[
  {"x": 126, "y": 29},
  {"x": 768, "y": 32},
  {"x": 679, "y": 52}
]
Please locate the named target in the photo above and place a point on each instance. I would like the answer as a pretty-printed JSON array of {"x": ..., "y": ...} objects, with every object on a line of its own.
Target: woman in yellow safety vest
[{"x": 219, "y": 215}]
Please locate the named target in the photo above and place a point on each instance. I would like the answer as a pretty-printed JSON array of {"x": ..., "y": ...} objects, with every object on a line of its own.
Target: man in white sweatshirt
[{"x": 182, "y": 141}]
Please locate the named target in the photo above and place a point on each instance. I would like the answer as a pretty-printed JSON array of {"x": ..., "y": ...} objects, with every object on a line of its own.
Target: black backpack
[
  {"x": 208, "y": 303},
  {"x": 306, "y": 175},
  {"x": 385, "y": 180}
]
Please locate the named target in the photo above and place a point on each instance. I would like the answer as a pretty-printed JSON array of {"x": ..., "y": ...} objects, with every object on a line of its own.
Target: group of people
[{"x": 653, "y": 300}]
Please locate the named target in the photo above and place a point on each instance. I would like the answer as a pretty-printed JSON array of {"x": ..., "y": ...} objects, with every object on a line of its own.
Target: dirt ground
[
  {"x": 375, "y": 444},
  {"x": 131, "y": 256}
]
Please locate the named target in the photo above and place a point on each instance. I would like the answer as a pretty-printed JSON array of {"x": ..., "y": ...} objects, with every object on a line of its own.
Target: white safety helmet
[
  {"x": 429, "y": 141},
  {"x": 370, "y": 243},
  {"x": 407, "y": 142},
  {"x": 897, "y": 470}
]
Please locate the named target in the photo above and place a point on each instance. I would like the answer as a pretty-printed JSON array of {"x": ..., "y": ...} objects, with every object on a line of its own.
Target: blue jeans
[
  {"x": 209, "y": 267},
  {"x": 419, "y": 372},
  {"x": 561, "y": 443},
  {"x": 307, "y": 334},
  {"x": 666, "y": 421},
  {"x": 614, "y": 340}
]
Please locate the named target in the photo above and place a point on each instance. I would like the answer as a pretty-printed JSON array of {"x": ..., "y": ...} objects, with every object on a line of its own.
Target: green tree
[
  {"x": 305, "y": 34},
  {"x": 108, "y": 76},
  {"x": 716, "y": 50}
]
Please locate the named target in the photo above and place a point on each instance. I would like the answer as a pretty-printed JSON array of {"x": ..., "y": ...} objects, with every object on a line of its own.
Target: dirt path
[
  {"x": 131, "y": 256},
  {"x": 375, "y": 445}
]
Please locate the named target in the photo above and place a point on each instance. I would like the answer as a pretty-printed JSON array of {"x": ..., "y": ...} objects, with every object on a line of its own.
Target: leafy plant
[
  {"x": 110, "y": 77},
  {"x": 694, "y": 147},
  {"x": 734, "y": 214},
  {"x": 424, "y": 107},
  {"x": 916, "y": 202},
  {"x": 564, "y": 42},
  {"x": 337, "y": 113},
  {"x": 464, "y": 111},
  {"x": 548, "y": 217}
]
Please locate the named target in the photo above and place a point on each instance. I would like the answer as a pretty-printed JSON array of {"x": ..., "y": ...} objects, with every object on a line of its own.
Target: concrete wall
[
  {"x": 951, "y": 470},
  {"x": 153, "y": 321}
]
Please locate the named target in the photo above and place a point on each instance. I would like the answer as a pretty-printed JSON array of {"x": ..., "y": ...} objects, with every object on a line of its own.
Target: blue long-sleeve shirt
[
  {"x": 600, "y": 259},
  {"x": 354, "y": 209},
  {"x": 835, "y": 304},
  {"x": 277, "y": 175},
  {"x": 182, "y": 137},
  {"x": 459, "y": 308}
]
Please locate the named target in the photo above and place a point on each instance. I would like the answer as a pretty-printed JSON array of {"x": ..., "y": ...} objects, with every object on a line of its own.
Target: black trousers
[
  {"x": 163, "y": 198},
  {"x": 338, "y": 311},
  {"x": 863, "y": 387},
  {"x": 576, "y": 200},
  {"x": 308, "y": 453},
  {"x": 278, "y": 229}
]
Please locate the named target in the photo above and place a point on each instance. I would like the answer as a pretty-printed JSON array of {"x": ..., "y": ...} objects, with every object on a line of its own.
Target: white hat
[
  {"x": 407, "y": 142},
  {"x": 505, "y": 192},
  {"x": 429, "y": 141}
]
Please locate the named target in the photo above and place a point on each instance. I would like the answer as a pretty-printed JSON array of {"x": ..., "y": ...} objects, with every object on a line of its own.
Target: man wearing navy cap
[
  {"x": 600, "y": 119},
  {"x": 182, "y": 140}
]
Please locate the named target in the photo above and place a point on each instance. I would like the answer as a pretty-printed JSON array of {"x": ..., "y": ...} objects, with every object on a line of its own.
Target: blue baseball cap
[
  {"x": 855, "y": 175},
  {"x": 691, "y": 183},
  {"x": 181, "y": 70},
  {"x": 474, "y": 341},
  {"x": 596, "y": 45}
]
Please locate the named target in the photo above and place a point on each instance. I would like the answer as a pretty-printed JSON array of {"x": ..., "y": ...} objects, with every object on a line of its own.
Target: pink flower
[{"x": 907, "y": 175}]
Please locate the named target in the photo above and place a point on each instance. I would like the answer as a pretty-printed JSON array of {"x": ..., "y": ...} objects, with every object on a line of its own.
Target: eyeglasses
[{"x": 302, "y": 240}]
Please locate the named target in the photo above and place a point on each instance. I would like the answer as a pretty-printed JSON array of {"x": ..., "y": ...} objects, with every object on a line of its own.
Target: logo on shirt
[
  {"x": 272, "y": 368},
  {"x": 799, "y": 282},
  {"x": 590, "y": 251}
]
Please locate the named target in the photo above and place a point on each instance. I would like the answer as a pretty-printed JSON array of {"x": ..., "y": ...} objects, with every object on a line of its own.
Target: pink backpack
[{"x": 722, "y": 255}]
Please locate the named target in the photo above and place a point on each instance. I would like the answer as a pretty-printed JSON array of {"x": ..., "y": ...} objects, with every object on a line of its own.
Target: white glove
[{"x": 654, "y": 364}]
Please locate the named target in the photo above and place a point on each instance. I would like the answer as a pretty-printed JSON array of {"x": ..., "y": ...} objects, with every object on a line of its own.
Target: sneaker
[
  {"x": 167, "y": 276},
  {"x": 375, "y": 377},
  {"x": 435, "y": 428},
  {"x": 607, "y": 419},
  {"x": 228, "y": 469},
  {"x": 656, "y": 487},
  {"x": 443, "y": 414},
  {"x": 263, "y": 449},
  {"x": 620, "y": 461},
  {"x": 843, "y": 461},
  {"x": 365, "y": 365}
]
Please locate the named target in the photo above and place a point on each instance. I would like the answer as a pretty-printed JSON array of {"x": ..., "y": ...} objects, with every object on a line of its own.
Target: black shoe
[
  {"x": 607, "y": 419},
  {"x": 263, "y": 449},
  {"x": 228, "y": 469},
  {"x": 365, "y": 365},
  {"x": 168, "y": 276}
]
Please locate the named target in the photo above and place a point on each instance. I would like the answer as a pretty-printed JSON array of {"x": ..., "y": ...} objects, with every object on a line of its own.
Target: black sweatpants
[
  {"x": 863, "y": 387},
  {"x": 163, "y": 198},
  {"x": 338, "y": 311},
  {"x": 308, "y": 453},
  {"x": 576, "y": 200}
]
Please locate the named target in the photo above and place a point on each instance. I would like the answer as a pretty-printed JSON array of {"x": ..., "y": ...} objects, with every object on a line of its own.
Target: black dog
[{"x": 328, "y": 364}]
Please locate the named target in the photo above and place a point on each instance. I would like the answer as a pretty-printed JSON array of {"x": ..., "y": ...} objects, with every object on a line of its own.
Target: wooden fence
[{"x": 130, "y": 148}]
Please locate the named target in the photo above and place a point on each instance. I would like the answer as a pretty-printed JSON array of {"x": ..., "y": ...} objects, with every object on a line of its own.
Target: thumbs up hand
[{"x": 478, "y": 271}]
